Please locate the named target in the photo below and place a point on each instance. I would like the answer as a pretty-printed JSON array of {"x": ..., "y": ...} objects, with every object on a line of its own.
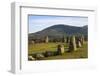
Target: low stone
[
  {"x": 39, "y": 56},
  {"x": 31, "y": 58}
]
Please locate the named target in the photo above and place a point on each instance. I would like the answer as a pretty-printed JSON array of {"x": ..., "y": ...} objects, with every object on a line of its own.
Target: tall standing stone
[{"x": 72, "y": 44}]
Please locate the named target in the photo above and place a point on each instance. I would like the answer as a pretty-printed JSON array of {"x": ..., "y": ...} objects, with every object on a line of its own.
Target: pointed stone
[{"x": 72, "y": 44}]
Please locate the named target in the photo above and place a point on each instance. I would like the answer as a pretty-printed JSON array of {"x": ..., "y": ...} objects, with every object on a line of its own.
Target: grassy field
[
  {"x": 42, "y": 47},
  {"x": 80, "y": 53}
]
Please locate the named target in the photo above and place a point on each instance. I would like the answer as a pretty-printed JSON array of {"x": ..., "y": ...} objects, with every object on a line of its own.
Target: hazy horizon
[{"x": 40, "y": 22}]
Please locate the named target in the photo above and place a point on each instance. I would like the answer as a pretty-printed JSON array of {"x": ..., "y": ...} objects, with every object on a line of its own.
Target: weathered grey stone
[
  {"x": 72, "y": 44},
  {"x": 79, "y": 44},
  {"x": 39, "y": 56},
  {"x": 31, "y": 58},
  {"x": 60, "y": 49}
]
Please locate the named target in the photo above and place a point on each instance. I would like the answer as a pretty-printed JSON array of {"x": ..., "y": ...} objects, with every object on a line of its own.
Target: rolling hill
[{"x": 59, "y": 31}]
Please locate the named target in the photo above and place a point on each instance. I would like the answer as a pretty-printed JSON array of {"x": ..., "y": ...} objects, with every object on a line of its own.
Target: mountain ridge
[{"x": 59, "y": 30}]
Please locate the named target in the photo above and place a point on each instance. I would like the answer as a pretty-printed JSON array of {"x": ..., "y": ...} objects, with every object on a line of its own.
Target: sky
[{"x": 39, "y": 22}]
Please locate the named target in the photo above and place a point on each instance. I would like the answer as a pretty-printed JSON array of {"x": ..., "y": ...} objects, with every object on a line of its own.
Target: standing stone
[
  {"x": 60, "y": 49},
  {"x": 47, "y": 39},
  {"x": 79, "y": 44},
  {"x": 72, "y": 44},
  {"x": 82, "y": 39}
]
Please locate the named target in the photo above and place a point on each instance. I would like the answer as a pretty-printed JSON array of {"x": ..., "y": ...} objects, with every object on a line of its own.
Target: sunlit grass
[{"x": 42, "y": 47}]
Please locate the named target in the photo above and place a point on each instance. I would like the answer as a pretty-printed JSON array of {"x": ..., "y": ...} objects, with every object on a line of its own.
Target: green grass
[
  {"x": 79, "y": 53},
  {"x": 41, "y": 47}
]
